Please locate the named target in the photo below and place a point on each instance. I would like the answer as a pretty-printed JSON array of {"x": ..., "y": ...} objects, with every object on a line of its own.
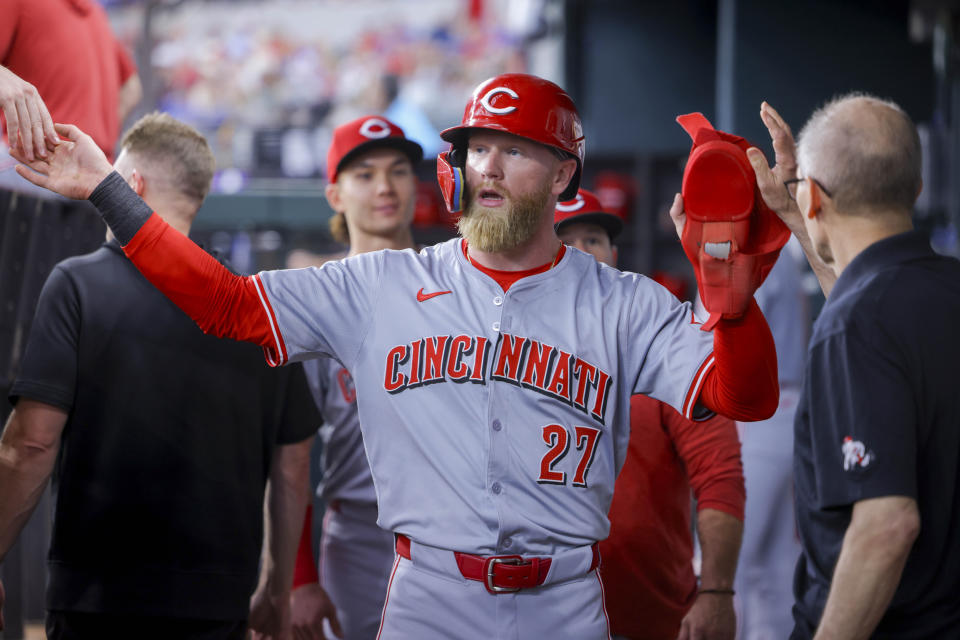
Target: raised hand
[
  {"x": 29, "y": 125},
  {"x": 770, "y": 180},
  {"x": 73, "y": 168}
]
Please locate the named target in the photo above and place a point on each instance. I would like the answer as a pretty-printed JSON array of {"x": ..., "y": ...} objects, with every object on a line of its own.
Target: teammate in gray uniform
[
  {"x": 493, "y": 372},
  {"x": 372, "y": 190}
]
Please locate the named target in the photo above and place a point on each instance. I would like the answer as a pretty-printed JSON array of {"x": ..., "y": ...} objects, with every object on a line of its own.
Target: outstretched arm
[
  {"x": 219, "y": 301},
  {"x": 771, "y": 184}
]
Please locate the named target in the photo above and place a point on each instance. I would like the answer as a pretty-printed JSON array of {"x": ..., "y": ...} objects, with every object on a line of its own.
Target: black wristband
[{"x": 122, "y": 209}]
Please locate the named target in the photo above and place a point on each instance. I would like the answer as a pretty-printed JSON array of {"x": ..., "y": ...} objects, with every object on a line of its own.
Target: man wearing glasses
[{"x": 876, "y": 440}]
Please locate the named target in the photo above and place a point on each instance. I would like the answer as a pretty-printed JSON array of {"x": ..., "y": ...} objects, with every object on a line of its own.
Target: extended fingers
[
  {"x": 13, "y": 123},
  {"x": 36, "y": 126},
  {"x": 771, "y": 188},
  {"x": 772, "y": 118},
  {"x": 68, "y": 131},
  {"x": 677, "y": 214},
  {"x": 40, "y": 165},
  {"x": 35, "y": 177},
  {"x": 47, "y": 123},
  {"x": 25, "y": 126}
]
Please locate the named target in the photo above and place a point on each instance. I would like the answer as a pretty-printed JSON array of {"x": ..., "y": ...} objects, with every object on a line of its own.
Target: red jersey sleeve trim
[
  {"x": 694, "y": 392},
  {"x": 743, "y": 385},
  {"x": 277, "y": 354}
]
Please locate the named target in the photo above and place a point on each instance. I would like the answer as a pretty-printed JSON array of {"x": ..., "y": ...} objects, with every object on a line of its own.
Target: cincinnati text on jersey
[{"x": 516, "y": 359}]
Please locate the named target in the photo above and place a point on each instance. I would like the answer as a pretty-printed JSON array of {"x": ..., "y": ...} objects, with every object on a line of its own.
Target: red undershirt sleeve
[
  {"x": 305, "y": 569},
  {"x": 743, "y": 382},
  {"x": 220, "y": 302},
  {"x": 710, "y": 451}
]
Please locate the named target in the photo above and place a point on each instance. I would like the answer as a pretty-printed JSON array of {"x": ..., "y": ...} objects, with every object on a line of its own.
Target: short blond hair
[{"x": 175, "y": 148}]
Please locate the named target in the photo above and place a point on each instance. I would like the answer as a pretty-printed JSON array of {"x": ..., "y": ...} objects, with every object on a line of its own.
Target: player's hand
[
  {"x": 269, "y": 614},
  {"x": 770, "y": 180},
  {"x": 710, "y": 618},
  {"x": 677, "y": 214},
  {"x": 29, "y": 125},
  {"x": 72, "y": 168},
  {"x": 309, "y": 606}
]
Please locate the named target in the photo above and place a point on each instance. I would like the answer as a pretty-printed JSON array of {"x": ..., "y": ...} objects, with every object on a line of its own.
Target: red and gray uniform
[
  {"x": 356, "y": 556},
  {"x": 495, "y": 416}
]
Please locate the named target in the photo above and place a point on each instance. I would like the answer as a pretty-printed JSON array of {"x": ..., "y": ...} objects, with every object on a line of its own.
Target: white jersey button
[
  {"x": 497, "y": 425},
  {"x": 495, "y": 488},
  {"x": 498, "y": 301},
  {"x": 496, "y": 326},
  {"x": 507, "y": 543}
]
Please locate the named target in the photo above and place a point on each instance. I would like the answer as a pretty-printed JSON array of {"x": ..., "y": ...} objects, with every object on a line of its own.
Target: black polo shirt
[
  {"x": 880, "y": 416},
  {"x": 166, "y": 450}
]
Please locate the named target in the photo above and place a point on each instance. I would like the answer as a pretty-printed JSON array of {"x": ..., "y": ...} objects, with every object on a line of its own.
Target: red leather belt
[{"x": 500, "y": 574}]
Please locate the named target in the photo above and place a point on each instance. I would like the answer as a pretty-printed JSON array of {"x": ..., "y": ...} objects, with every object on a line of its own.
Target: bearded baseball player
[
  {"x": 494, "y": 371},
  {"x": 372, "y": 190}
]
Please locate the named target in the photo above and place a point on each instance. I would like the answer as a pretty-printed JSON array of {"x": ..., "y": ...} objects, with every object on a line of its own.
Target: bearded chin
[{"x": 504, "y": 228}]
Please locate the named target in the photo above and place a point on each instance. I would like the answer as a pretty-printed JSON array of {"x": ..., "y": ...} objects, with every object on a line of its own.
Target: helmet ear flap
[
  {"x": 450, "y": 178},
  {"x": 572, "y": 187},
  {"x": 457, "y": 156}
]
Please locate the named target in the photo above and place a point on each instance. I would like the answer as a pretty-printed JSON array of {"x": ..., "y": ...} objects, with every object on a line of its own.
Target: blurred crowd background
[{"x": 268, "y": 81}]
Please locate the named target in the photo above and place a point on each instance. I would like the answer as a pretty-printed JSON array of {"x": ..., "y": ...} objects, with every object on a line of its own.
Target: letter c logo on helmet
[
  {"x": 375, "y": 128},
  {"x": 547, "y": 116},
  {"x": 485, "y": 100},
  {"x": 567, "y": 207}
]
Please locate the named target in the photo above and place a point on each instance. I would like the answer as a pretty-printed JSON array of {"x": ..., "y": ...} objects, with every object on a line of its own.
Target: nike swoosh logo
[{"x": 423, "y": 297}]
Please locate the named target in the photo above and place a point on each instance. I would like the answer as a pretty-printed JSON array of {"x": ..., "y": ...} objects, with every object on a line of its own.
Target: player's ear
[
  {"x": 564, "y": 174},
  {"x": 137, "y": 182},
  {"x": 616, "y": 255},
  {"x": 332, "y": 193}
]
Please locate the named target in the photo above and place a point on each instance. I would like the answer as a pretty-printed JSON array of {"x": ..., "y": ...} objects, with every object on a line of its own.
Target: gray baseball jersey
[
  {"x": 494, "y": 422},
  {"x": 346, "y": 473}
]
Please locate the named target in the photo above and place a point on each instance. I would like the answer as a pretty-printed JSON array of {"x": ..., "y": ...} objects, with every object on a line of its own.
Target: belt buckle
[{"x": 490, "y": 563}]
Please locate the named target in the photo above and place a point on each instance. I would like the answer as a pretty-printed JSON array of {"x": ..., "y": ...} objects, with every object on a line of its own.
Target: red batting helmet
[
  {"x": 369, "y": 132},
  {"x": 586, "y": 208},
  {"x": 520, "y": 104}
]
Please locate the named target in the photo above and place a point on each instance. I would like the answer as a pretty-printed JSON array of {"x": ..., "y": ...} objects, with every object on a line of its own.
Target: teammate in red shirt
[
  {"x": 651, "y": 590},
  {"x": 64, "y": 51}
]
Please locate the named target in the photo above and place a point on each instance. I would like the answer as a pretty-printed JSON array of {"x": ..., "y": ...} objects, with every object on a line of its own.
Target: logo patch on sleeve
[{"x": 855, "y": 454}]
